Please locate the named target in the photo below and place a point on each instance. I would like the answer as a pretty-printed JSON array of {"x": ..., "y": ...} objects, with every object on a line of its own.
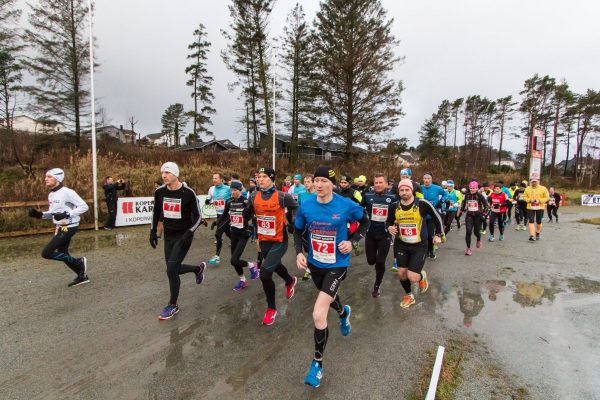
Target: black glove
[
  {"x": 33, "y": 213},
  {"x": 153, "y": 239},
  {"x": 213, "y": 225},
  {"x": 290, "y": 228},
  {"x": 60, "y": 215},
  {"x": 187, "y": 238},
  {"x": 207, "y": 201}
]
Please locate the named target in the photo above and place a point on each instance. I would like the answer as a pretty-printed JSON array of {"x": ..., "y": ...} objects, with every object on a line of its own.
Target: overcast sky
[{"x": 452, "y": 48}]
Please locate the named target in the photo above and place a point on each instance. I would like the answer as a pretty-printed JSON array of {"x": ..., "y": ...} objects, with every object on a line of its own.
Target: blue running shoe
[
  {"x": 345, "y": 322},
  {"x": 168, "y": 312},
  {"x": 315, "y": 373},
  {"x": 200, "y": 273},
  {"x": 240, "y": 285},
  {"x": 254, "y": 272}
]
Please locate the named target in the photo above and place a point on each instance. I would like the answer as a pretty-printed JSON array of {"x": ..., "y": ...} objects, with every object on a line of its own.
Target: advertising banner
[
  {"x": 590, "y": 199},
  {"x": 138, "y": 210}
]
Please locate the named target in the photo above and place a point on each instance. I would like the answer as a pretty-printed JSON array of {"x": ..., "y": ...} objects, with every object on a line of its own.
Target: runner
[
  {"x": 406, "y": 173},
  {"x": 272, "y": 208},
  {"x": 452, "y": 203},
  {"x": 218, "y": 194},
  {"x": 297, "y": 188},
  {"x": 498, "y": 201},
  {"x": 536, "y": 197},
  {"x": 287, "y": 184},
  {"x": 326, "y": 216},
  {"x": 177, "y": 205},
  {"x": 435, "y": 195},
  {"x": 521, "y": 207},
  {"x": 347, "y": 191},
  {"x": 377, "y": 242},
  {"x": 553, "y": 204},
  {"x": 361, "y": 185},
  {"x": 407, "y": 222},
  {"x": 475, "y": 205},
  {"x": 234, "y": 220},
  {"x": 485, "y": 192},
  {"x": 509, "y": 195},
  {"x": 310, "y": 191},
  {"x": 65, "y": 208}
]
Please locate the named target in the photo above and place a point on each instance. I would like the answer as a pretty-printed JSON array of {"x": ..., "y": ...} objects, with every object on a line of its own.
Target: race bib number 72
[{"x": 323, "y": 248}]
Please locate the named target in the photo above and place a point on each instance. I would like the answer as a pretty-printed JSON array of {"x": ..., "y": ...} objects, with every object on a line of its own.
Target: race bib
[
  {"x": 265, "y": 225},
  {"x": 323, "y": 248},
  {"x": 472, "y": 205},
  {"x": 535, "y": 205},
  {"x": 379, "y": 213},
  {"x": 521, "y": 196},
  {"x": 552, "y": 202},
  {"x": 295, "y": 197},
  {"x": 172, "y": 208},
  {"x": 451, "y": 204},
  {"x": 219, "y": 205},
  {"x": 495, "y": 206},
  {"x": 236, "y": 220},
  {"x": 408, "y": 233}
]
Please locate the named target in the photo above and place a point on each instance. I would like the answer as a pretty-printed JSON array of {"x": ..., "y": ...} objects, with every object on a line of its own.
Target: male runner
[
  {"x": 310, "y": 191},
  {"x": 233, "y": 219},
  {"x": 272, "y": 208},
  {"x": 406, "y": 173},
  {"x": 65, "y": 208},
  {"x": 377, "y": 242},
  {"x": 536, "y": 197},
  {"x": 326, "y": 216},
  {"x": 406, "y": 221},
  {"x": 297, "y": 188},
  {"x": 347, "y": 191},
  {"x": 553, "y": 204},
  {"x": 361, "y": 185},
  {"x": 218, "y": 194},
  {"x": 452, "y": 203},
  {"x": 177, "y": 206},
  {"x": 435, "y": 195},
  {"x": 520, "y": 207}
]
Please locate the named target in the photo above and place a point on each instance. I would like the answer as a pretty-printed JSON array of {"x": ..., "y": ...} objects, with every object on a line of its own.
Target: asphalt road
[{"x": 529, "y": 310}]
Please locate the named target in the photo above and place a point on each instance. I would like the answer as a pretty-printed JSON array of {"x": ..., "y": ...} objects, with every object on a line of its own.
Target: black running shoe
[
  {"x": 80, "y": 280},
  {"x": 531, "y": 239}
]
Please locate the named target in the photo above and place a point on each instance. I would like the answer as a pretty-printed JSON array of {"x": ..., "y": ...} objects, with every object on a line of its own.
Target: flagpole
[{"x": 94, "y": 160}]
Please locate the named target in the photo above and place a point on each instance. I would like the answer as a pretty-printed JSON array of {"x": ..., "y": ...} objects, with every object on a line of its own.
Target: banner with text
[
  {"x": 590, "y": 199},
  {"x": 138, "y": 210}
]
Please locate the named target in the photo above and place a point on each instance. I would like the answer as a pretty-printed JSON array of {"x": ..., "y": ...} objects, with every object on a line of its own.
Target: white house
[
  {"x": 124, "y": 135},
  {"x": 25, "y": 124},
  {"x": 160, "y": 139}
]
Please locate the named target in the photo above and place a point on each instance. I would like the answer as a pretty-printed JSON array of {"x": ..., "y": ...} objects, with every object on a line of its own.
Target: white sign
[
  {"x": 535, "y": 168},
  {"x": 590, "y": 199},
  {"x": 138, "y": 210}
]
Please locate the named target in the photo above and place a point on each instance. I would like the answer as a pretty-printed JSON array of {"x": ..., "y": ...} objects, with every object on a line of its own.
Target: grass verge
[{"x": 593, "y": 221}]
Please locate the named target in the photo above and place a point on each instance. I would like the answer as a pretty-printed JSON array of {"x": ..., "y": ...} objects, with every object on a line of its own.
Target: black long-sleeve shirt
[
  {"x": 179, "y": 210},
  {"x": 110, "y": 191}
]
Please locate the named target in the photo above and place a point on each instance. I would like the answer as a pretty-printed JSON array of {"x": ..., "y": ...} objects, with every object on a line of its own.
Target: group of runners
[{"x": 327, "y": 215}]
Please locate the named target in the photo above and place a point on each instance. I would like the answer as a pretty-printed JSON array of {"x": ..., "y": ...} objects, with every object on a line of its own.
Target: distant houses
[
  {"x": 111, "y": 131},
  {"x": 313, "y": 149},
  {"x": 29, "y": 125},
  {"x": 212, "y": 145}
]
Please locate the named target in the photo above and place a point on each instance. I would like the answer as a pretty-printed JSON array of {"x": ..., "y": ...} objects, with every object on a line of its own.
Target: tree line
[{"x": 472, "y": 130}]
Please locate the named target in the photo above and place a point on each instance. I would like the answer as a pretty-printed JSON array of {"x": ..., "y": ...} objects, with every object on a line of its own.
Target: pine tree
[
  {"x": 444, "y": 119},
  {"x": 201, "y": 83},
  {"x": 504, "y": 112},
  {"x": 429, "y": 138},
  {"x": 10, "y": 68},
  {"x": 59, "y": 38},
  {"x": 562, "y": 99},
  {"x": 456, "y": 108},
  {"x": 173, "y": 120},
  {"x": 359, "y": 98}
]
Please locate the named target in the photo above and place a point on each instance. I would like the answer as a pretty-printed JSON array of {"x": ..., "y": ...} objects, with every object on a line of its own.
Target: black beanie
[
  {"x": 325, "y": 172},
  {"x": 270, "y": 172}
]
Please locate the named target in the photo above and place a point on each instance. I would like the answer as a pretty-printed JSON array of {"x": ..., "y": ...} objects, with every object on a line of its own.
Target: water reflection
[{"x": 470, "y": 301}]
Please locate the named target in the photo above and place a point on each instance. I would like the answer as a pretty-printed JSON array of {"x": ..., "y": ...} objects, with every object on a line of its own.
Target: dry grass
[{"x": 593, "y": 221}]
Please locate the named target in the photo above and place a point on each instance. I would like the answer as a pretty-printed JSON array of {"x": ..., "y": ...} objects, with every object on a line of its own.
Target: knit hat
[
  {"x": 298, "y": 176},
  {"x": 473, "y": 185},
  {"x": 405, "y": 182},
  {"x": 346, "y": 178},
  {"x": 362, "y": 178},
  {"x": 268, "y": 171},
  {"x": 444, "y": 183},
  {"x": 236, "y": 185},
  {"x": 450, "y": 182},
  {"x": 324, "y": 171},
  {"x": 406, "y": 171},
  {"x": 171, "y": 167},
  {"x": 57, "y": 173}
]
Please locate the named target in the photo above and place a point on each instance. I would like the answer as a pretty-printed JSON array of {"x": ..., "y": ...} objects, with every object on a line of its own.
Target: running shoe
[
  {"x": 240, "y": 285},
  {"x": 215, "y": 260},
  {"x": 80, "y": 280},
  {"x": 518, "y": 228},
  {"x": 468, "y": 252},
  {"x": 314, "y": 375},
  {"x": 435, "y": 247},
  {"x": 501, "y": 238},
  {"x": 269, "y": 317},
  {"x": 483, "y": 232},
  {"x": 531, "y": 239},
  {"x": 376, "y": 291},
  {"x": 478, "y": 244},
  {"x": 306, "y": 276},
  {"x": 357, "y": 250},
  {"x": 432, "y": 255},
  {"x": 345, "y": 322},
  {"x": 395, "y": 266},
  {"x": 200, "y": 273},
  {"x": 289, "y": 289},
  {"x": 423, "y": 283},
  {"x": 254, "y": 272},
  {"x": 537, "y": 236},
  {"x": 491, "y": 238},
  {"x": 408, "y": 301},
  {"x": 168, "y": 312}
]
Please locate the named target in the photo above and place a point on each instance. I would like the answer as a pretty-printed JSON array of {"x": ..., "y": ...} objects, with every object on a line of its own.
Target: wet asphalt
[{"x": 535, "y": 307}]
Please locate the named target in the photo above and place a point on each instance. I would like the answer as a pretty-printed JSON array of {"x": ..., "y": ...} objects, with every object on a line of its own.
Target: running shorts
[
  {"x": 327, "y": 280},
  {"x": 411, "y": 256}
]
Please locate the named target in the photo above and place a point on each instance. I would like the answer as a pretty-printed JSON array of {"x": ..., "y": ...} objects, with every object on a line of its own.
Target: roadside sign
[{"x": 590, "y": 199}]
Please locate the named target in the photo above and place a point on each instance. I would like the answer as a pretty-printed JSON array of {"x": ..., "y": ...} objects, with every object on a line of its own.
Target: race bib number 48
[
  {"x": 323, "y": 248},
  {"x": 379, "y": 213},
  {"x": 172, "y": 208},
  {"x": 408, "y": 233},
  {"x": 265, "y": 225}
]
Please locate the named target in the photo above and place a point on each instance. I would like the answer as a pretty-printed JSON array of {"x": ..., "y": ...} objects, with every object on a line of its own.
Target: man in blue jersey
[
  {"x": 326, "y": 217},
  {"x": 436, "y": 195},
  {"x": 218, "y": 194}
]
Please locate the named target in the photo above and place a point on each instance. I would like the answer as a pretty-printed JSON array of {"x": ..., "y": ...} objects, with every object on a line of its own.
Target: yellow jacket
[{"x": 538, "y": 195}]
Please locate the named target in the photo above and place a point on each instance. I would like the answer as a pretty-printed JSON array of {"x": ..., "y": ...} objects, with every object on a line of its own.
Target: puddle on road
[
  {"x": 83, "y": 241},
  {"x": 544, "y": 330}
]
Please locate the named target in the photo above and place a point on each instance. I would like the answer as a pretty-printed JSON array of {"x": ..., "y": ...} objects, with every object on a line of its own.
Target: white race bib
[
  {"x": 323, "y": 248},
  {"x": 408, "y": 233},
  {"x": 265, "y": 225},
  {"x": 472, "y": 205},
  {"x": 219, "y": 205},
  {"x": 379, "y": 213},
  {"x": 236, "y": 219},
  {"x": 172, "y": 208},
  {"x": 552, "y": 202},
  {"x": 535, "y": 205}
]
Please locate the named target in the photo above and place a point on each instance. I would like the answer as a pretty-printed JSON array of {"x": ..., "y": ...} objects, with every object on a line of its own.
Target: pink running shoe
[
  {"x": 468, "y": 252},
  {"x": 479, "y": 244}
]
